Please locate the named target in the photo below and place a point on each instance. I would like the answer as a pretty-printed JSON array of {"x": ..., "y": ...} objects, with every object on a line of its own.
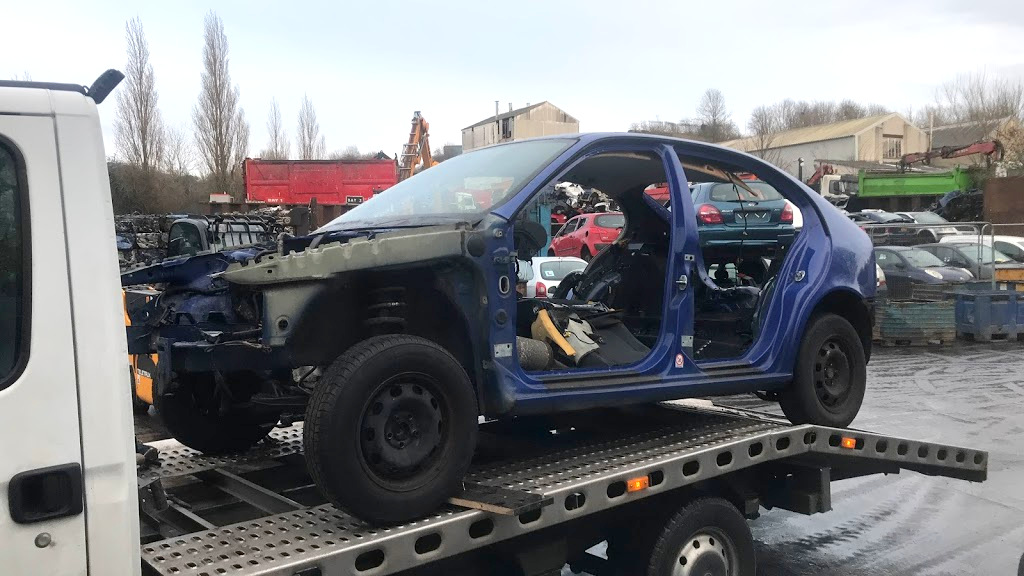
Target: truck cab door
[{"x": 42, "y": 524}]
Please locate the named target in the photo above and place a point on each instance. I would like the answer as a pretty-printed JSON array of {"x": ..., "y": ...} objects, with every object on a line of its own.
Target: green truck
[{"x": 893, "y": 191}]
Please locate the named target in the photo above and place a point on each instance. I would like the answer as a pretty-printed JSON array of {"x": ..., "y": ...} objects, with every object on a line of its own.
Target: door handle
[{"x": 46, "y": 493}]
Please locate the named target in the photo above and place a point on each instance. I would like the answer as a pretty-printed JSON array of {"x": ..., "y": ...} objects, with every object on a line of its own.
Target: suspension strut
[{"x": 386, "y": 313}]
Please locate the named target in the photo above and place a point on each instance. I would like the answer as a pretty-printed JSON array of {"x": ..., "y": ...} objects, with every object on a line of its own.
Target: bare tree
[
  {"x": 278, "y": 146},
  {"x": 138, "y": 128},
  {"x": 25, "y": 77},
  {"x": 179, "y": 156},
  {"x": 766, "y": 122},
  {"x": 976, "y": 97},
  {"x": 716, "y": 123},
  {"x": 310, "y": 142},
  {"x": 217, "y": 117}
]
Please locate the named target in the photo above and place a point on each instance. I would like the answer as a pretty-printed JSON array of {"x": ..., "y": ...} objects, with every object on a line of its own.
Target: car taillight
[
  {"x": 708, "y": 214},
  {"x": 542, "y": 290},
  {"x": 787, "y": 213}
]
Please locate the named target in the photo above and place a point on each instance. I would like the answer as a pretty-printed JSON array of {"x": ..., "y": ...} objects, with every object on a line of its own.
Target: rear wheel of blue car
[
  {"x": 391, "y": 428},
  {"x": 830, "y": 375}
]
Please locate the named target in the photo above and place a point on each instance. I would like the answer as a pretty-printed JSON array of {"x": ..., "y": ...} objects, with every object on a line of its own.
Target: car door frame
[
  {"x": 676, "y": 308},
  {"x": 39, "y": 405}
]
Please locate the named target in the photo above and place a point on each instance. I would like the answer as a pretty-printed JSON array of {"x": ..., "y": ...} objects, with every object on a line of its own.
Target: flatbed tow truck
[
  {"x": 667, "y": 486},
  {"x": 539, "y": 502}
]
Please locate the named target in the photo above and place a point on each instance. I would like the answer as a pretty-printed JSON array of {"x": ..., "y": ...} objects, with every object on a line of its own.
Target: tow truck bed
[{"x": 258, "y": 513}]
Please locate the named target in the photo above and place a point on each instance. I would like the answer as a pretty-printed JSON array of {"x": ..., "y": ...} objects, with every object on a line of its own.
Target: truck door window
[
  {"x": 13, "y": 295},
  {"x": 183, "y": 239}
]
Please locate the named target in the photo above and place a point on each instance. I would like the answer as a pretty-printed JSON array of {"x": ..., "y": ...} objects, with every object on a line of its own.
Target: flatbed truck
[{"x": 667, "y": 486}]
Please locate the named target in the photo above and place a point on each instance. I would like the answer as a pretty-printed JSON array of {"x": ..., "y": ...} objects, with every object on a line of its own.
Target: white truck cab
[{"x": 67, "y": 465}]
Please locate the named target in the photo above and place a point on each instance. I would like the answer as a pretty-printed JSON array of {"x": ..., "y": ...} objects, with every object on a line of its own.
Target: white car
[
  {"x": 1012, "y": 246},
  {"x": 541, "y": 275}
]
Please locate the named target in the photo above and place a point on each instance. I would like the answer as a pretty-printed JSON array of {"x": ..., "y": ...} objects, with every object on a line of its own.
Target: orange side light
[
  {"x": 637, "y": 484},
  {"x": 849, "y": 443}
]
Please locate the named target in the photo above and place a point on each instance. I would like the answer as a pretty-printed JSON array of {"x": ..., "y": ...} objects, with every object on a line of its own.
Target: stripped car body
[{"x": 268, "y": 333}]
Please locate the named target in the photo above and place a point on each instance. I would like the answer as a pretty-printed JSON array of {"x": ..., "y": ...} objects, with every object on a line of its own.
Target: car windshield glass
[
  {"x": 928, "y": 218},
  {"x": 921, "y": 259},
  {"x": 560, "y": 269},
  {"x": 978, "y": 253},
  {"x": 732, "y": 193},
  {"x": 610, "y": 221},
  {"x": 462, "y": 188}
]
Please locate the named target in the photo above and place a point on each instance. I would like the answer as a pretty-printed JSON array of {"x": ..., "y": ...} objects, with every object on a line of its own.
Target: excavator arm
[
  {"x": 416, "y": 151},
  {"x": 992, "y": 148}
]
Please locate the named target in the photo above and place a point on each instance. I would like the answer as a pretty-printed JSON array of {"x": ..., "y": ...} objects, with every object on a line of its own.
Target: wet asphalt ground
[{"x": 908, "y": 524}]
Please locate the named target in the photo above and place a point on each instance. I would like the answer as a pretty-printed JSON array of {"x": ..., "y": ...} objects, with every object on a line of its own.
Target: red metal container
[{"x": 331, "y": 182}]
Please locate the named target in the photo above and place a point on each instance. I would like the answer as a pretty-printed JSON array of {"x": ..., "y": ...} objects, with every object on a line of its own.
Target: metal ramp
[{"x": 580, "y": 472}]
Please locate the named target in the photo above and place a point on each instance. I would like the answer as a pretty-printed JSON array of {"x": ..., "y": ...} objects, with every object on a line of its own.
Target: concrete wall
[
  {"x": 543, "y": 120},
  {"x": 787, "y": 156},
  {"x": 869, "y": 143}
]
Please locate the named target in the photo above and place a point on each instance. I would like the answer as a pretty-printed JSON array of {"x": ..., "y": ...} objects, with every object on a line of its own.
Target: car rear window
[
  {"x": 733, "y": 193},
  {"x": 610, "y": 221},
  {"x": 559, "y": 269}
]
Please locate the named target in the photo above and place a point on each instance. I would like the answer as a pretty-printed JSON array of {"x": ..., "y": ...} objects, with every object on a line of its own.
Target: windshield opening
[{"x": 463, "y": 188}]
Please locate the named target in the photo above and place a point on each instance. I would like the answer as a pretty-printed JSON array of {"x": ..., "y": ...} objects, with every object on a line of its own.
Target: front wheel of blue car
[
  {"x": 830, "y": 375},
  {"x": 391, "y": 428}
]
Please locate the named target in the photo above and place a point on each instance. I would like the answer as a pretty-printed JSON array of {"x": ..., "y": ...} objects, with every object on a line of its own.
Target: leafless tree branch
[
  {"x": 278, "y": 146},
  {"x": 217, "y": 118},
  {"x": 310, "y": 142},
  {"x": 138, "y": 127}
]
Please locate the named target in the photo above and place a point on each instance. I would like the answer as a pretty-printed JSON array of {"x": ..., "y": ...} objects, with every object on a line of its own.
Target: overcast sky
[{"x": 368, "y": 65}]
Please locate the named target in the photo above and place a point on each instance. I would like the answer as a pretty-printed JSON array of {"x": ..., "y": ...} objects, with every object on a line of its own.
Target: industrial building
[
  {"x": 531, "y": 121},
  {"x": 876, "y": 139}
]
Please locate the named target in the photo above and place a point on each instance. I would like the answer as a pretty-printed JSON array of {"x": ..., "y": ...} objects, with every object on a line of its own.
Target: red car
[{"x": 587, "y": 234}]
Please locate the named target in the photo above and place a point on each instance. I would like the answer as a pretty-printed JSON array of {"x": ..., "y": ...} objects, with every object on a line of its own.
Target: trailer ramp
[{"x": 588, "y": 468}]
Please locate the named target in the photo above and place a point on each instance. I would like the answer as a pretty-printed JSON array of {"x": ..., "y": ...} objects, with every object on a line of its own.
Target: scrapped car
[
  {"x": 586, "y": 235},
  {"x": 540, "y": 275},
  {"x": 393, "y": 328},
  {"x": 728, "y": 213},
  {"x": 984, "y": 262},
  {"x": 933, "y": 227},
  {"x": 907, "y": 268},
  {"x": 1012, "y": 246},
  {"x": 886, "y": 228}
]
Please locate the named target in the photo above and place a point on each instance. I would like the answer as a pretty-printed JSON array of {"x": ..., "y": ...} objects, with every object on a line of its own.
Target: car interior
[{"x": 611, "y": 313}]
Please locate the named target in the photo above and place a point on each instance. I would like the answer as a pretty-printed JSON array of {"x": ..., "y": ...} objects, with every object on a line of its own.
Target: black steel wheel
[
  {"x": 585, "y": 254},
  {"x": 391, "y": 428},
  {"x": 707, "y": 537},
  {"x": 830, "y": 375},
  {"x": 403, "y": 430}
]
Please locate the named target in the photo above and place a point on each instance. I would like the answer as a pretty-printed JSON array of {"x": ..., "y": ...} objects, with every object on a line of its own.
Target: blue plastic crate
[{"x": 988, "y": 314}]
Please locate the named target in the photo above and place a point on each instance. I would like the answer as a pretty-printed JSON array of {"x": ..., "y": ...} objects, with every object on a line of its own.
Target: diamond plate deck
[{"x": 580, "y": 470}]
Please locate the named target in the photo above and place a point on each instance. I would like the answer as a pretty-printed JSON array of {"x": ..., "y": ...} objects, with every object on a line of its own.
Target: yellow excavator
[{"x": 416, "y": 151}]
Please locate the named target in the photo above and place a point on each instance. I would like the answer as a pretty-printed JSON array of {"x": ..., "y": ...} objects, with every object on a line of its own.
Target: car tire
[
  {"x": 707, "y": 536},
  {"x": 192, "y": 415},
  {"x": 391, "y": 429},
  {"x": 927, "y": 237},
  {"x": 585, "y": 254},
  {"x": 830, "y": 375}
]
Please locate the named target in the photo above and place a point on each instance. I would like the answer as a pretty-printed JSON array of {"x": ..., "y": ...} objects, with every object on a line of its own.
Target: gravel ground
[{"x": 908, "y": 524}]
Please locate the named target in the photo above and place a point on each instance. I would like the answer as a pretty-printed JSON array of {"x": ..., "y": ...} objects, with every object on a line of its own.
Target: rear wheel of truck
[
  {"x": 192, "y": 414},
  {"x": 138, "y": 405},
  {"x": 391, "y": 428},
  {"x": 830, "y": 375},
  {"x": 707, "y": 536}
]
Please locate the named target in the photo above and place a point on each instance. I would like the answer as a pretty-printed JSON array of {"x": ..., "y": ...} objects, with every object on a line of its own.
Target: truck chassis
[{"x": 258, "y": 513}]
